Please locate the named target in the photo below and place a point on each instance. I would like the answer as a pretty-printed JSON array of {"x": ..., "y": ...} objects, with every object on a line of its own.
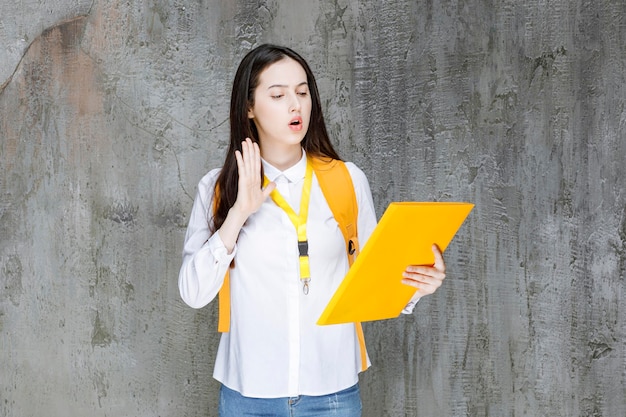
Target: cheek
[
  {"x": 306, "y": 108},
  {"x": 264, "y": 110}
]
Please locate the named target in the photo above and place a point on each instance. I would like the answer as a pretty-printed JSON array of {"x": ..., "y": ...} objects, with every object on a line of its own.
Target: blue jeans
[{"x": 346, "y": 403}]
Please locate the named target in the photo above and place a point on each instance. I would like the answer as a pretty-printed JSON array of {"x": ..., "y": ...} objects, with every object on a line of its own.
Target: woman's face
[{"x": 282, "y": 106}]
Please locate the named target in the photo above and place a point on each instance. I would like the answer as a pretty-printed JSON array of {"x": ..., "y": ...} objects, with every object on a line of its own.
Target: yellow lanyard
[{"x": 299, "y": 222}]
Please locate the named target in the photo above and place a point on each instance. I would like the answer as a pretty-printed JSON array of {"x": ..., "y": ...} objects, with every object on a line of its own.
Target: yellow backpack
[{"x": 336, "y": 184}]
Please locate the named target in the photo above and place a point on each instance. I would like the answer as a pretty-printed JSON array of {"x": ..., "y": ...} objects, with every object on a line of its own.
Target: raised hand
[{"x": 250, "y": 195}]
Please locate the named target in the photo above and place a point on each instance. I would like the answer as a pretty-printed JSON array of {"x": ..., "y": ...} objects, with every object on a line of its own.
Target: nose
[{"x": 295, "y": 104}]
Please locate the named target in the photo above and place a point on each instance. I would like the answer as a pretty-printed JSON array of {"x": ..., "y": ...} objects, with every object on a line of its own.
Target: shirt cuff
[
  {"x": 219, "y": 251},
  {"x": 408, "y": 309}
]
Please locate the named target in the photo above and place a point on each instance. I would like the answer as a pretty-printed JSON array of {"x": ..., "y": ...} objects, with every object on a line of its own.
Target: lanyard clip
[
  {"x": 305, "y": 273},
  {"x": 303, "y": 248}
]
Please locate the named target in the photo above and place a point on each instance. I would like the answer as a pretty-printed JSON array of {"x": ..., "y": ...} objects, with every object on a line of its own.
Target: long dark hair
[{"x": 316, "y": 141}]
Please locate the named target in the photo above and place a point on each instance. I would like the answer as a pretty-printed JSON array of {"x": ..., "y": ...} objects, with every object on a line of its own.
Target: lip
[{"x": 295, "y": 124}]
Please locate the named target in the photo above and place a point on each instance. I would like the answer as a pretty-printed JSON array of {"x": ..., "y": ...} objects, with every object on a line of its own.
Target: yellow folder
[{"x": 372, "y": 289}]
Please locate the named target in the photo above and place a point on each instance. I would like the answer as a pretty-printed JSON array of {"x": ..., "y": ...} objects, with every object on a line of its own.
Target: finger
[
  {"x": 423, "y": 286},
  {"x": 239, "y": 159},
  {"x": 439, "y": 262},
  {"x": 247, "y": 156},
  {"x": 257, "y": 159},
  {"x": 244, "y": 150},
  {"x": 411, "y": 283},
  {"x": 268, "y": 189},
  {"x": 423, "y": 270},
  {"x": 423, "y": 278},
  {"x": 434, "y": 279}
]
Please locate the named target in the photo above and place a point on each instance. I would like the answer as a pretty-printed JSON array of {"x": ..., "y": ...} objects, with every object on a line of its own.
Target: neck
[{"x": 283, "y": 158}]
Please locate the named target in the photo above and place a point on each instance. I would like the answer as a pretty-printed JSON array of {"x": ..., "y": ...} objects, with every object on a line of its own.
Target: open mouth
[{"x": 296, "y": 123}]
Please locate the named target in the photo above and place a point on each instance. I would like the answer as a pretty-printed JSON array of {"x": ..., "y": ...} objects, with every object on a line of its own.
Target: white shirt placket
[{"x": 289, "y": 191}]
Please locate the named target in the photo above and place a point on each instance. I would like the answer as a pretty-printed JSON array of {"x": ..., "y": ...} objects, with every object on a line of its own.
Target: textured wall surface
[{"x": 111, "y": 111}]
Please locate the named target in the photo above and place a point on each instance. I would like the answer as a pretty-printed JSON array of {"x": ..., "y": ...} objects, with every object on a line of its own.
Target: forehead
[{"x": 284, "y": 72}]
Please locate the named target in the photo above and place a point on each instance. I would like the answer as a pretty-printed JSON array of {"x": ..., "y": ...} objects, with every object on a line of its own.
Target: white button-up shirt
[{"x": 274, "y": 347}]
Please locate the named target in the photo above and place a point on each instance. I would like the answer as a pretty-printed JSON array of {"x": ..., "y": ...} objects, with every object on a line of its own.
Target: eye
[
  {"x": 277, "y": 96},
  {"x": 303, "y": 93}
]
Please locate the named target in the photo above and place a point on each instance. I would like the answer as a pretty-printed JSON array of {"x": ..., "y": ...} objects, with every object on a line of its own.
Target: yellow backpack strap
[
  {"x": 223, "y": 311},
  {"x": 223, "y": 307},
  {"x": 363, "y": 349},
  {"x": 338, "y": 189}
]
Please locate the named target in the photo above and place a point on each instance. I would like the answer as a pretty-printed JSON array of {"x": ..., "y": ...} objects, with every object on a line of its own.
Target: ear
[{"x": 250, "y": 113}]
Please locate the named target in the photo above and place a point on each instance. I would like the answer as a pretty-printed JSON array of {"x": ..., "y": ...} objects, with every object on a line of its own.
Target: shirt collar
[{"x": 293, "y": 174}]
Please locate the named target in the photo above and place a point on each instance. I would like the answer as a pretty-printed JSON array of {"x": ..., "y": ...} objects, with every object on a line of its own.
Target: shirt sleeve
[
  {"x": 205, "y": 258},
  {"x": 367, "y": 215}
]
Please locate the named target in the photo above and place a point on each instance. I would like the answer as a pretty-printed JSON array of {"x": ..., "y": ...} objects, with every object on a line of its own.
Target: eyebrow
[{"x": 285, "y": 86}]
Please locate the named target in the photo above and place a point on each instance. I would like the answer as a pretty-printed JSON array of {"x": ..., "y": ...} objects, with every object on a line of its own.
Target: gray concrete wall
[{"x": 111, "y": 111}]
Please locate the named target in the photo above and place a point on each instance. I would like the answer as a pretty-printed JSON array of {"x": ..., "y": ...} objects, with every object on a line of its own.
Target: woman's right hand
[{"x": 250, "y": 194}]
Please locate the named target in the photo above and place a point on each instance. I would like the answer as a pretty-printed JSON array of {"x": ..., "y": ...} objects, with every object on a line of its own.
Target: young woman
[{"x": 275, "y": 360}]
